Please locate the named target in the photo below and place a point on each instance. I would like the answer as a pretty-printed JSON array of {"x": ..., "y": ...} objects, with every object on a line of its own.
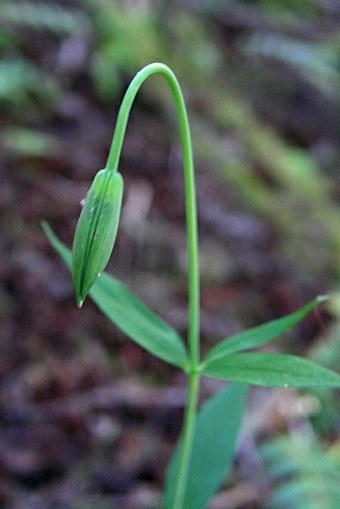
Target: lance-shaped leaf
[
  {"x": 259, "y": 335},
  {"x": 96, "y": 231},
  {"x": 271, "y": 370},
  {"x": 217, "y": 428},
  {"x": 129, "y": 314}
]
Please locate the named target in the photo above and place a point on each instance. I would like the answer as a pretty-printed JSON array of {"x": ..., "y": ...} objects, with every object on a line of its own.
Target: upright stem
[{"x": 193, "y": 261}]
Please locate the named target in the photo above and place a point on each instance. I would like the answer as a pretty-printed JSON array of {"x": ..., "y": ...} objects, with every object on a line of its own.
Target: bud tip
[{"x": 80, "y": 302}]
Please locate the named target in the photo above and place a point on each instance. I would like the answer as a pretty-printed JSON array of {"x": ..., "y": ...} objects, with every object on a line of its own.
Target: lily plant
[{"x": 205, "y": 449}]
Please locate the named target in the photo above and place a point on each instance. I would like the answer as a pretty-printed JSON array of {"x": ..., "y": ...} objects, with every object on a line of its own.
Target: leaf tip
[
  {"x": 322, "y": 298},
  {"x": 45, "y": 226}
]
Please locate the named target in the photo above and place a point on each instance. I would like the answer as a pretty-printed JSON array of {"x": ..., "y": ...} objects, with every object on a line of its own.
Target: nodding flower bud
[{"x": 96, "y": 231}]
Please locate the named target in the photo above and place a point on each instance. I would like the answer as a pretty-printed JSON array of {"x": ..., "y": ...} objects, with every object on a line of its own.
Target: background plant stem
[{"x": 193, "y": 255}]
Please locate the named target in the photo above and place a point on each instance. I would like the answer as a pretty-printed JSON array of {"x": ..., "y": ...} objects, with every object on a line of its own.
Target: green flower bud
[{"x": 96, "y": 231}]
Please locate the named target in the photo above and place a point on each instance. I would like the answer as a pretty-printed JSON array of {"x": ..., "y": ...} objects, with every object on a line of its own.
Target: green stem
[
  {"x": 192, "y": 240},
  {"x": 187, "y": 438}
]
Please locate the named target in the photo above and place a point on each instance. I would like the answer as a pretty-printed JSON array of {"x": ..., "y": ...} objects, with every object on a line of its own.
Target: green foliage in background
[
  {"x": 304, "y": 474},
  {"x": 124, "y": 38}
]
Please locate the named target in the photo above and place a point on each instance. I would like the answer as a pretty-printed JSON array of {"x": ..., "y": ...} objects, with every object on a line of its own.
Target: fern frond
[
  {"x": 41, "y": 16},
  {"x": 22, "y": 83},
  {"x": 302, "y": 472}
]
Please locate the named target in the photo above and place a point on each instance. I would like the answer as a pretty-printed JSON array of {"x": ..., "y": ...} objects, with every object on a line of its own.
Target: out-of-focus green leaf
[
  {"x": 129, "y": 314},
  {"x": 28, "y": 142},
  {"x": 24, "y": 86},
  {"x": 217, "y": 428},
  {"x": 53, "y": 18},
  {"x": 271, "y": 370},
  {"x": 259, "y": 335}
]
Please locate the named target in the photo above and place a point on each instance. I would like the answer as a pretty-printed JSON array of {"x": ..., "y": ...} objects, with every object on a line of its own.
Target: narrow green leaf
[
  {"x": 260, "y": 334},
  {"x": 271, "y": 370},
  {"x": 217, "y": 428},
  {"x": 129, "y": 314},
  {"x": 137, "y": 321}
]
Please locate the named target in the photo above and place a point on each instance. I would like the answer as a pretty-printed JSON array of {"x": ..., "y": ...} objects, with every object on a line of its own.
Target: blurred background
[{"x": 87, "y": 418}]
